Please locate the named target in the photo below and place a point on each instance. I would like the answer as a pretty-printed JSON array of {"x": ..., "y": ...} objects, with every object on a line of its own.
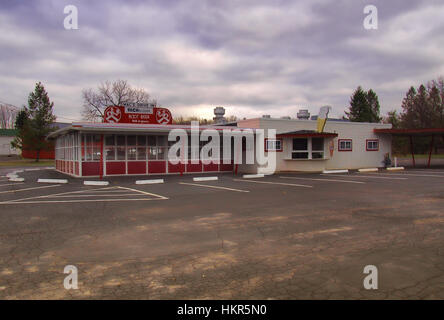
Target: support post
[
  {"x": 101, "y": 157},
  {"x": 413, "y": 152},
  {"x": 430, "y": 152}
]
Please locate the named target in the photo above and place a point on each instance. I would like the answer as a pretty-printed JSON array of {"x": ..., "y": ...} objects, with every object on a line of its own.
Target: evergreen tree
[
  {"x": 34, "y": 122},
  {"x": 364, "y": 106}
]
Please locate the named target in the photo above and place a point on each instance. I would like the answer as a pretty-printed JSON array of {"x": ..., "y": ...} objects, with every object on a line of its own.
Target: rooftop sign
[{"x": 138, "y": 114}]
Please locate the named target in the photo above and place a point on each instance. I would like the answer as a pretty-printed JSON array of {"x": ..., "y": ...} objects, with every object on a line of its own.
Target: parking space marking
[
  {"x": 410, "y": 174},
  {"x": 52, "y": 198},
  {"x": 214, "y": 187},
  {"x": 362, "y": 176},
  {"x": 10, "y": 184},
  {"x": 328, "y": 180},
  {"x": 278, "y": 183},
  {"x": 26, "y": 189}
]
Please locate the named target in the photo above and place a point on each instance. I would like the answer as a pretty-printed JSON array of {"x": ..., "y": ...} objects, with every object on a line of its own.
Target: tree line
[{"x": 422, "y": 107}]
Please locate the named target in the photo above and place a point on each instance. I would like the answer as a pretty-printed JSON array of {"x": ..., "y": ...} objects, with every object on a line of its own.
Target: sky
[{"x": 251, "y": 57}]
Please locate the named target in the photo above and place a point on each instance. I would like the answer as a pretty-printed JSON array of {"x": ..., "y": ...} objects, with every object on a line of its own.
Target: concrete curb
[
  {"x": 335, "y": 171},
  {"x": 16, "y": 179},
  {"x": 395, "y": 168},
  {"x": 152, "y": 181},
  {"x": 205, "y": 178},
  {"x": 368, "y": 170},
  {"x": 52, "y": 181},
  {"x": 95, "y": 183},
  {"x": 252, "y": 176}
]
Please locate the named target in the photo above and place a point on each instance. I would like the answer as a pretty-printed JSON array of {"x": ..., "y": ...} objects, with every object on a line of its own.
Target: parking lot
[{"x": 286, "y": 236}]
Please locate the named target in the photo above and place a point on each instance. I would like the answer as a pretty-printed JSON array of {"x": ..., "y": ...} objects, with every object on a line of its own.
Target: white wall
[
  {"x": 5, "y": 146},
  {"x": 356, "y": 159}
]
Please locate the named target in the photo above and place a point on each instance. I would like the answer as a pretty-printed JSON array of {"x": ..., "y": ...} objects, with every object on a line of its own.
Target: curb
[
  {"x": 205, "y": 178},
  {"x": 395, "y": 168},
  {"x": 368, "y": 170},
  {"x": 335, "y": 171},
  {"x": 52, "y": 181},
  {"x": 252, "y": 176},
  {"x": 152, "y": 181},
  {"x": 95, "y": 183}
]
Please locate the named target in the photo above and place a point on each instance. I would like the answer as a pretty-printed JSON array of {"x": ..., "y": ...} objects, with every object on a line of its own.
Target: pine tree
[
  {"x": 364, "y": 106},
  {"x": 35, "y": 121}
]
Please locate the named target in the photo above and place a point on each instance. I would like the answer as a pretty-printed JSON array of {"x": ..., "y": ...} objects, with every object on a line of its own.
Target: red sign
[{"x": 120, "y": 114}]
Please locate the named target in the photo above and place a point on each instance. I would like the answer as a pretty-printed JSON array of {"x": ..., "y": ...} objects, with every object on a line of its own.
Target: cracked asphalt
[{"x": 276, "y": 241}]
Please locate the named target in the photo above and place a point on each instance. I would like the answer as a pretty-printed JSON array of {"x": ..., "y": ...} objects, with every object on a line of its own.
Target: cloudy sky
[{"x": 252, "y": 57}]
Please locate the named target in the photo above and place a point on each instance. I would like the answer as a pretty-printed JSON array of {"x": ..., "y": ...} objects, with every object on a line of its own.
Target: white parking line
[
  {"x": 213, "y": 187},
  {"x": 278, "y": 183},
  {"x": 10, "y": 184},
  {"x": 362, "y": 176},
  {"x": 31, "y": 200},
  {"x": 26, "y": 189},
  {"x": 411, "y": 174},
  {"x": 329, "y": 180}
]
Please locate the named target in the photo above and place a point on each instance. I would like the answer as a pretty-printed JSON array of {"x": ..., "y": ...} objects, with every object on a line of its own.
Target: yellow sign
[{"x": 322, "y": 117}]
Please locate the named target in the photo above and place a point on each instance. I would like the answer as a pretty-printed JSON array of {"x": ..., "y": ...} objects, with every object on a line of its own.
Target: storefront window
[
  {"x": 141, "y": 153},
  {"x": 120, "y": 140},
  {"x": 300, "y": 148},
  {"x": 131, "y": 140},
  {"x": 141, "y": 140},
  {"x": 317, "y": 147},
  {"x": 110, "y": 153},
  {"x": 132, "y": 152},
  {"x": 120, "y": 152}
]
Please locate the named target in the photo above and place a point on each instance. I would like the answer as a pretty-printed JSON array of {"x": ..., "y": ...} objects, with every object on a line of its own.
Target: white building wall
[
  {"x": 5, "y": 146},
  {"x": 358, "y": 158}
]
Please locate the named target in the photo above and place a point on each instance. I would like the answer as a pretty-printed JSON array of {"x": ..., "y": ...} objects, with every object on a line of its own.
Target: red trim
[
  {"x": 101, "y": 156},
  {"x": 345, "y": 150},
  {"x": 307, "y": 135},
  {"x": 366, "y": 144},
  {"x": 265, "y": 146}
]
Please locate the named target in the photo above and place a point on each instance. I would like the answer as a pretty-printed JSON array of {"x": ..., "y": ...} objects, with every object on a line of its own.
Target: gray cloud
[{"x": 254, "y": 57}]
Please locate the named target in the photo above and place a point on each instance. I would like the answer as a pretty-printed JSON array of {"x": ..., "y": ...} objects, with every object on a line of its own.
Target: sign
[
  {"x": 137, "y": 114},
  {"x": 322, "y": 117},
  {"x": 139, "y": 107}
]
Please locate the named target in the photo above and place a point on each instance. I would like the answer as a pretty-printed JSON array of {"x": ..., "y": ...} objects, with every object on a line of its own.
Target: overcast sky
[{"x": 252, "y": 57}]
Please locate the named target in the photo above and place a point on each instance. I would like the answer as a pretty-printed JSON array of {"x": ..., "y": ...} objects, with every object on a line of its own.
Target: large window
[
  {"x": 372, "y": 145},
  {"x": 345, "y": 145},
  {"x": 308, "y": 148},
  {"x": 300, "y": 148},
  {"x": 91, "y": 147}
]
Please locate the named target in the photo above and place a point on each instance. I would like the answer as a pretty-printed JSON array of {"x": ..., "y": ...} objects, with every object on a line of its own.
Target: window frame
[
  {"x": 371, "y": 140},
  {"x": 274, "y": 150},
  {"x": 345, "y": 140}
]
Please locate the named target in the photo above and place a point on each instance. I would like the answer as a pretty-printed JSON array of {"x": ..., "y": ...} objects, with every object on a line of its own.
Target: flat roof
[
  {"x": 130, "y": 127},
  {"x": 306, "y": 133}
]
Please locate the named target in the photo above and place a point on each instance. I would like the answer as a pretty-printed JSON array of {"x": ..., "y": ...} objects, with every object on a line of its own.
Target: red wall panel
[
  {"x": 115, "y": 167},
  {"x": 90, "y": 168},
  {"x": 172, "y": 168},
  {"x": 211, "y": 167},
  {"x": 156, "y": 166},
  {"x": 194, "y": 167},
  {"x": 136, "y": 167},
  {"x": 226, "y": 167}
]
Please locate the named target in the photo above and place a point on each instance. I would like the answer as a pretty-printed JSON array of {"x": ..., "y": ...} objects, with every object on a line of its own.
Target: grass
[
  {"x": 419, "y": 156},
  {"x": 27, "y": 163}
]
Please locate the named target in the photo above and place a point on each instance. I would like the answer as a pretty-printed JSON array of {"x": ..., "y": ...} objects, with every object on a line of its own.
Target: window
[
  {"x": 372, "y": 145},
  {"x": 345, "y": 145},
  {"x": 308, "y": 148},
  {"x": 317, "y": 148},
  {"x": 273, "y": 145},
  {"x": 300, "y": 148}
]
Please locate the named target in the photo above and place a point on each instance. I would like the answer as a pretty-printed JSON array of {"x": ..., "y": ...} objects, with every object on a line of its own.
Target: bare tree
[{"x": 110, "y": 94}]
